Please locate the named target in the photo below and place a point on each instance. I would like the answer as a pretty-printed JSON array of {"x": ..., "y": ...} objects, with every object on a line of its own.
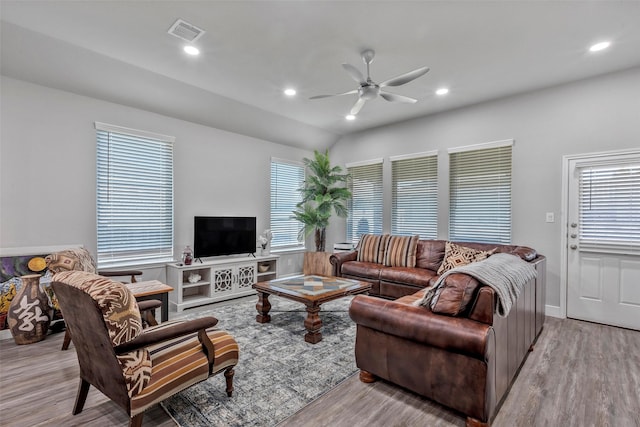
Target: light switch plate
[{"x": 550, "y": 217}]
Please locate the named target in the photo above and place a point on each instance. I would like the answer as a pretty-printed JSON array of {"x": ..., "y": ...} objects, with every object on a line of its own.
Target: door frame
[{"x": 564, "y": 210}]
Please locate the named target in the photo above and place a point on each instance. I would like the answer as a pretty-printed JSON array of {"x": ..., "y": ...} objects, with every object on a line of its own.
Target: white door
[{"x": 603, "y": 254}]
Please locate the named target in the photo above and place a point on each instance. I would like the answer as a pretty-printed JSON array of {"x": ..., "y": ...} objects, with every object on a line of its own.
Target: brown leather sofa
[{"x": 465, "y": 358}]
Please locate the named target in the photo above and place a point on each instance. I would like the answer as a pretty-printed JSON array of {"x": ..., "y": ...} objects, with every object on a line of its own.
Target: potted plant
[{"x": 323, "y": 193}]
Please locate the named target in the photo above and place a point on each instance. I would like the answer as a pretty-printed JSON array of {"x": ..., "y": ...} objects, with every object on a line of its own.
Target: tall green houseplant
[{"x": 324, "y": 192}]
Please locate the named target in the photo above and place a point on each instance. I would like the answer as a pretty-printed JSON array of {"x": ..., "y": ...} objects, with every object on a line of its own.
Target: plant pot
[{"x": 317, "y": 263}]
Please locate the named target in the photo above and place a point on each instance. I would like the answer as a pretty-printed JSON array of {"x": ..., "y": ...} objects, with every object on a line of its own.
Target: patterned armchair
[
  {"x": 135, "y": 367},
  {"x": 79, "y": 259}
]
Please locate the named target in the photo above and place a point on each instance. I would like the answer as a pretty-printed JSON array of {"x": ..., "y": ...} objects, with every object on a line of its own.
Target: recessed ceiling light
[
  {"x": 350, "y": 117},
  {"x": 192, "y": 50},
  {"x": 290, "y": 92},
  {"x": 599, "y": 46},
  {"x": 442, "y": 91}
]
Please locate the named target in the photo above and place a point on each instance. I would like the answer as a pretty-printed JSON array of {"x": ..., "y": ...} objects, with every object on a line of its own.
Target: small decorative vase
[{"x": 28, "y": 313}]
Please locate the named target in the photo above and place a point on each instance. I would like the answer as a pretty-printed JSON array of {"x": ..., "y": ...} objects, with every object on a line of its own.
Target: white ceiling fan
[{"x": 369, "y": 90}]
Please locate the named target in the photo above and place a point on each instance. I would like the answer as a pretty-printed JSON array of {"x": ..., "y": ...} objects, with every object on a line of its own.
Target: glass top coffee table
[{"x": 312, "y": 291}]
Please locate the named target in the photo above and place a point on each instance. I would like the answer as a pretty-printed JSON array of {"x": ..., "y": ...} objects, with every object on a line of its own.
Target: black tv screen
[{"x": 223, "y": 235}]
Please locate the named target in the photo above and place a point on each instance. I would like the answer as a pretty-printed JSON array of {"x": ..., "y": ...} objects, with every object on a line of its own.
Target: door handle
[{"x": 574, "y": 247}]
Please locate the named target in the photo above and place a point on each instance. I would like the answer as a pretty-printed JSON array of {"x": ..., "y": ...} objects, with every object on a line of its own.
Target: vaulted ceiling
[{"x": 120, "y": 51}]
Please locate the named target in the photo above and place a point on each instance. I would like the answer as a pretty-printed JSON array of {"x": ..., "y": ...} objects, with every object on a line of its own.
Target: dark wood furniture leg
[
  {"x": 83, "y": 390},
  {"x": 263, "y": 306},
  {"x": 472, "y": 422},
  {"x": 313, "y": 324},
  {"x": 67, "y": 340},
  {"x": 367, "y": 377},
  {"x": 228, "y": 374}
]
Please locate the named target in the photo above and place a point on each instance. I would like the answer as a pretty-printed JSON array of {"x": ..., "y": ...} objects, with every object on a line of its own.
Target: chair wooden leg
[
  {"x": 150, "y": 317},
  {"x": 67, "y": 340},
  {"x": 228, "y": 374},
  {"x": 83, "y": 390},
  {"x": 137, "y": 420}
]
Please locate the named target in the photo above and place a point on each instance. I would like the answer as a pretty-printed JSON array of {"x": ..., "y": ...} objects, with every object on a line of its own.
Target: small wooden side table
[{"x": 152, "y": 289}]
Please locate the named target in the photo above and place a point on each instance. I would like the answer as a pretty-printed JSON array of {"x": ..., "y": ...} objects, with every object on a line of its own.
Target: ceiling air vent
[{"x": 185, "y": 31}]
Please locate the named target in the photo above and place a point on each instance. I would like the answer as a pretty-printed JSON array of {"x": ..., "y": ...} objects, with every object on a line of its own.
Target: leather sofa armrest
[
  {"x": 419, "y": 324},
  {"x": 159, "y": 334},
  {"x": 340, "y": 258}
]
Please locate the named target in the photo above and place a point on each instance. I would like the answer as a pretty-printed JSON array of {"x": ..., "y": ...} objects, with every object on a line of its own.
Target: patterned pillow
[
  {"x": 371, "y": 248},
  {"x": 456, "y": 255},
  {"x": 401, "y": 251},
  {"x": 71, "y": 259}
]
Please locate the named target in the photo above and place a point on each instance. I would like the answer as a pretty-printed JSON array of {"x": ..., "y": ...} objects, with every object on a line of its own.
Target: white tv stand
[{"x": 221, "y": 278}]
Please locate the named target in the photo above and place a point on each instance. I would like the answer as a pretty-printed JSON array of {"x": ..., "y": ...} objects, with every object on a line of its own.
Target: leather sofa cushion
[
  {"x": 456, "y": 295},
  {"x": 429, "y": 254},
  {"x": 366, "y": 270},
  {"x": 407, "y": 275}
]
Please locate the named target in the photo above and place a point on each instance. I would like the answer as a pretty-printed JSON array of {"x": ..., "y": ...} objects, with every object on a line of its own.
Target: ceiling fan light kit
[{"x": 369, "y": 90}]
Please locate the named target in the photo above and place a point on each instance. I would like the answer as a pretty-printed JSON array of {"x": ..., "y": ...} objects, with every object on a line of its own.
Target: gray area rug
[{"x": 278, "y": 372}]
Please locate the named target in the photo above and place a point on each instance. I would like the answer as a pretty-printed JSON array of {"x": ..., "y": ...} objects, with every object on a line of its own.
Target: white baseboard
[
  {"x": 5, "y": 335},
  {"x": 553, "y": 311}
]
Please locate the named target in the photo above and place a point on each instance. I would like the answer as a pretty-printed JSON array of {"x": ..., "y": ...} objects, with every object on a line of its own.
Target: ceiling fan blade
[
  {"x": 336, "y": 94},
  {"x": 357, "y": 106},
  {"x": 397, "y": 98},
  {"x": 354, "y": 73},
  {"x": 405, "y": 78}
]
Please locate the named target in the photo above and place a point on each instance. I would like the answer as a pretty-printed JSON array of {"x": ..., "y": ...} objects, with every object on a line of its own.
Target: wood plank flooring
[{"x": 580, "y": 374}]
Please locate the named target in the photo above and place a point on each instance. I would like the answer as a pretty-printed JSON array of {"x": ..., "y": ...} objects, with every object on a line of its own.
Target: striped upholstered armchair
[{"x": 136, "y": 367}]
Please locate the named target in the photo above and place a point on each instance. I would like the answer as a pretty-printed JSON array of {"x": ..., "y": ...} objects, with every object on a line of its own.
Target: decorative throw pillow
[
  {"x": 371, "y": 248},
  {"x": 456, "y": 255},
  {"x": 401, "y": 251},
  {"x": 71, "y": 259}
]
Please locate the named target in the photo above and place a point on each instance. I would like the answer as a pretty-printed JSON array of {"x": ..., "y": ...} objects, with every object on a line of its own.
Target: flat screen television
[{"x": 223, "y": 235}]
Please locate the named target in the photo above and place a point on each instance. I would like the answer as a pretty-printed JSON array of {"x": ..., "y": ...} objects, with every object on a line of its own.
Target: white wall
[
  {"x": 594, "y": 115},
  {"x": 48, "y": 161}
]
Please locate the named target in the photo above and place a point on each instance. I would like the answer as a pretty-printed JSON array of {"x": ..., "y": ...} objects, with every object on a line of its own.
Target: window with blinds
[
  {"x": 609, "y": 208},
  {"x": 414, "y": 195},
  {"x": 286, "y": 179},
  {"x": 134, "y": 196},
  {"x": 365, "y": 204},
  {"x": 480, "y": 193}
]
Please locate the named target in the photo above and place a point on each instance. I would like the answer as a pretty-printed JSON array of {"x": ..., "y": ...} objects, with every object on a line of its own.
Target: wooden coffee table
[{"x": 312, "y": 291}]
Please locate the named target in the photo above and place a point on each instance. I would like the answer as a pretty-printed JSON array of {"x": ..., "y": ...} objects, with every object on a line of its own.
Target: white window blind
[
  {"x": 286, "y": 180},
  {"x": 609, "y": 208},
  {"x": 480, "y": 193},
  {"x": 134, "y": 196},
  {"x": 414, "y": 193},
  {"x": 365, "y": 204}
]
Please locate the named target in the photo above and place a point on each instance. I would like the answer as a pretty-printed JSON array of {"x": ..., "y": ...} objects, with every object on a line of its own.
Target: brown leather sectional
[{"x": 460, "y": 354}]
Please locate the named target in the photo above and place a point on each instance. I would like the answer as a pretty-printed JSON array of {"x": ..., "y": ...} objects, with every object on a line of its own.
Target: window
[
  {"x": 286, "y": 179},
  {"x": 134, "y": 196},
  {"x": 480, "y": 193},
  {"x": 365, "y": 205},
  {"x": 609, "y": 208},
  {"x": 414, "y": 194}
]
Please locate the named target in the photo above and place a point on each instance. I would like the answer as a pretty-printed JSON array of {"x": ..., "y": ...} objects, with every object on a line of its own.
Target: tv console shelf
[{"x": 220, "y": 279}]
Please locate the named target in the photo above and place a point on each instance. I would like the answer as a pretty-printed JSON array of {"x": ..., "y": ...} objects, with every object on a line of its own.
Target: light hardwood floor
[{"x": 580, "y": 374}]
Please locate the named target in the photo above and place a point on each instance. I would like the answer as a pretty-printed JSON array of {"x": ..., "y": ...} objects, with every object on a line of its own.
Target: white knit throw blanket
[{"x": 506, "y": 274}]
